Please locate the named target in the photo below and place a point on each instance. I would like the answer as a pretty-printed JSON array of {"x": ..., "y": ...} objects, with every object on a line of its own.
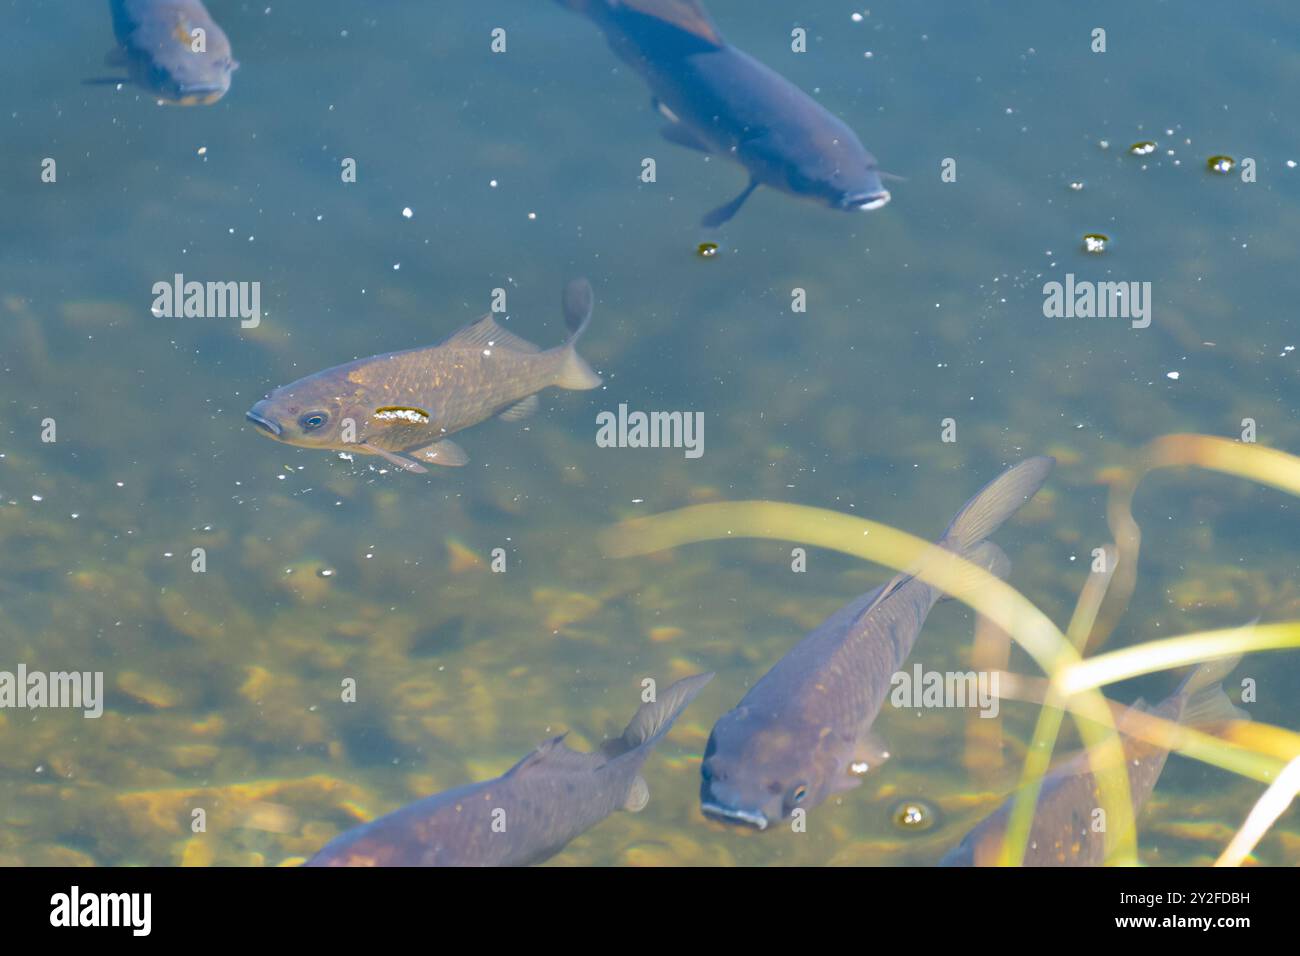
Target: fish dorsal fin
[
  {"x": 686, "y": 16},
  {"x": 484, "y": 333},
  {"x": 554, "y": 754}
]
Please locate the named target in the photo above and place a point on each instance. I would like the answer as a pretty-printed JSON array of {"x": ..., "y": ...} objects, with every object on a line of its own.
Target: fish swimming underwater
[
  {"x": 407, "y": 403},
  {"x": 719, "y": 100},
  {"x": 528, "y": 813},
  {"x": 1062, "y": 832},
  {"x": 162, "y": 49},
  {"x": 803, "y": 732}
]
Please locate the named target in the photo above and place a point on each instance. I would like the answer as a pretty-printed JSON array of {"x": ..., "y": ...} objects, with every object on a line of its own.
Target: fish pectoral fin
[
  {"x": 638, "y": 795},
  {"x": 720, "y": 215},
  {"x": 521, "y": 410},
  {"x": 662, "y": 109},
  {"x": 403, "y": 463},
  {"x": 445, "y": 452},
  {"x": 484, "y": 333},
  {"x": 682, "y": 135}
]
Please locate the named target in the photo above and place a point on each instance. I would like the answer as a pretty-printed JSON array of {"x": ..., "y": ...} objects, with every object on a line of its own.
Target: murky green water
[{"x": 521, "y": 170}]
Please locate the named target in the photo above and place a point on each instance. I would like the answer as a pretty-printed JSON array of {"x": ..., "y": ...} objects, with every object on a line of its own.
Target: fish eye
[
  {"x": 798, "y": 793},
  {"x": 313, "y": 420}
]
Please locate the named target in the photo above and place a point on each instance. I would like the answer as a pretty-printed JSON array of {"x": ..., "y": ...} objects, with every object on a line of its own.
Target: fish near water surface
[
  {"x": 530, "y": 812},
  {"x": 720, "y": 100},
  {"x": 1062, "y": 830},
  {"x": 403, "y": 405},
  {"x": 803, "y": 732},
  {"x": 157, "y": 42}
]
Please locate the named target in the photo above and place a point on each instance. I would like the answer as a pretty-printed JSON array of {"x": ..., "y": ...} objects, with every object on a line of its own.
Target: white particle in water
[
  {"x": 1172, "y": 375},
  {"x": 407, "y": 213}
]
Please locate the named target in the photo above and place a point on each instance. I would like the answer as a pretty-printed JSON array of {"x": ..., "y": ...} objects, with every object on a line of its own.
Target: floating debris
[
  {"x": 913, "y": 815},
  {"x": 707, "y": 250},
  {"x": 1095, "y": 242},
  {"x": 1144, "y": 148},
  {"x": 1220, "y": 164}
]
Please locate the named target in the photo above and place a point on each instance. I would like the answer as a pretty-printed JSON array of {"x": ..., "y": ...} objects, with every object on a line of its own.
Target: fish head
[
  {"x": 757, "y": 771},
  {"x": 845, "y": 176},
  {"x": 180, "y": 75},
  {"x": 309, "y": 413}
]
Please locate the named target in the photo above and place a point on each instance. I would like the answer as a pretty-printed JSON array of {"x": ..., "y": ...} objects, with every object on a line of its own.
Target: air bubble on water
[
  {"x": 1220, "y": 164},
  {"x": 1144, "y": 148},
  {"x": 1095, "y": 242},
  {"x": 396, "y": 266},
  {"x": 532, "y": 215},
  {"x": 492, "y": 183},
  {"x": 407, "y": 212},
  {"x": 707, "y": 250},
  {"x": 1076, "y": 185},
  {"x": 1172, "y": 375},
  {"x": 914, "y": 815}
]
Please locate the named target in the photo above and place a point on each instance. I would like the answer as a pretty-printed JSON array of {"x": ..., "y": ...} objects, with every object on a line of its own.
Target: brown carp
[
  {"x": 173, "y": 49},
  {"x": 803, "y": 732},
  {"x": 403, "y": 406},
  {"x": 718, "y": 99},
  {"x": 528, "y": 813}
]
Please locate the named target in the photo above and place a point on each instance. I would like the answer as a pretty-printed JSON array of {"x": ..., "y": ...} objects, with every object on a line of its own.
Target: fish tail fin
[
  {"x": 995, "y": 503},
  {"x": 648, "y": 726},
  {"x": 577, "y": 303},
  {"x": 988, "y": 557},
  {"x": 653, "y": 720},
  {"x": 1204, "y": 701}
]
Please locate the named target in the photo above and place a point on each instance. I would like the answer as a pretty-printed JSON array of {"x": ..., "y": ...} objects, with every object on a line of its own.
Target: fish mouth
[
  {"x": 268, "y": 426},
  {"x": 748, "y": 818},
  {"x": 867, "y": 201}
]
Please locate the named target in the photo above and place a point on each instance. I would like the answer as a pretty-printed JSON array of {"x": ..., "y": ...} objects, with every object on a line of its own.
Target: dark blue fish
[
  {"x": 803, "y": 732},
  {"x": 718, "y": 99},
  {"x": 1062, "y": 831},
  {"x": 528, "y": 813},
  {"x": 173, "y": 49}
]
